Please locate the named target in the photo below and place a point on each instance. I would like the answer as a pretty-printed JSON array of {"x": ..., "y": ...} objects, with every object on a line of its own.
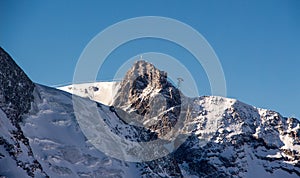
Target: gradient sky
[{"x": 257, "y": 42}]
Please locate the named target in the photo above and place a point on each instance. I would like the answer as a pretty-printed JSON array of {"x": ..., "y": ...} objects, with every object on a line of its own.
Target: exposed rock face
[
  {"x": 16, "y": 95},
  {"x": 15, "y": 88},
  {"x": 146, "y": 91}
]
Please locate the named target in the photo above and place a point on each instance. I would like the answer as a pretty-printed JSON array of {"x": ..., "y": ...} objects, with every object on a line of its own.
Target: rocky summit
[
  {"x": 146, "y": 91},
  {"x": 40, "y": 135}
]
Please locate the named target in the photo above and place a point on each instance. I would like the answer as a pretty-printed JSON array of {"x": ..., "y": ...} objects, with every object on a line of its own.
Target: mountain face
[
  {"x": 16, "y": 95},
  {"x": 146, "y": 91},
  {"x": 15, "y": 89},
  {"x": 41, "y": 137}
]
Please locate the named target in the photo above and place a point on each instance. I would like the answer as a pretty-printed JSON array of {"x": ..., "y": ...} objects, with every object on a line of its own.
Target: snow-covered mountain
[{"x": 41, "y": 137}]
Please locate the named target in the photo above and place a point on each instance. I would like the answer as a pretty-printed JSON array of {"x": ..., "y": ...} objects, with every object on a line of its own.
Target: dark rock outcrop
[
  {"x": 16, "y": 95},
  {"x": 15, "y": 88}
]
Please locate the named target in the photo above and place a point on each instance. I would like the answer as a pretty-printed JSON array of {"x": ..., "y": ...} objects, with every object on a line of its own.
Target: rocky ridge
[
  {"x": 146, "y": 91},
  {"x": 16, "y": 95}
]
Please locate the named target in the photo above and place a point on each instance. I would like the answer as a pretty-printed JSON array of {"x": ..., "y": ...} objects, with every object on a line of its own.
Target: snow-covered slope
[
  {"x": 59, "y": 144},
  {"x": 99, "y": 91},
  {"x": 41, "y": 137}
]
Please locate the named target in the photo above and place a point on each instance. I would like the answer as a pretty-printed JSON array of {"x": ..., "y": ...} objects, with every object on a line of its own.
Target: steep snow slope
[
  {"x": 243, "y": 141},
  {"x": 99, "y": 91},
  {"x": 59, "y": 144},
  {"x": 7, "y": 162}
]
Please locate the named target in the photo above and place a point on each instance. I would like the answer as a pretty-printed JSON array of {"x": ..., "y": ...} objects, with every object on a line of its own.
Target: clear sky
[{"x": 257, "y": 42}]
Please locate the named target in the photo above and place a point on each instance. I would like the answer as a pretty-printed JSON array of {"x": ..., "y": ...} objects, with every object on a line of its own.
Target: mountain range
[{"x": 142, "y": 126}]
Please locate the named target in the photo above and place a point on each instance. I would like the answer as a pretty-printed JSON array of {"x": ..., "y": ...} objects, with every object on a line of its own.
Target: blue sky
[{"x": 257, "y": 42}]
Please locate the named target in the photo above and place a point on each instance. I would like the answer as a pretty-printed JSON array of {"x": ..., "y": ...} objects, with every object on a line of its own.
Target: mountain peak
[
  {"x": 144, "y": 71},
  {"x": 146, "y": 91}
]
